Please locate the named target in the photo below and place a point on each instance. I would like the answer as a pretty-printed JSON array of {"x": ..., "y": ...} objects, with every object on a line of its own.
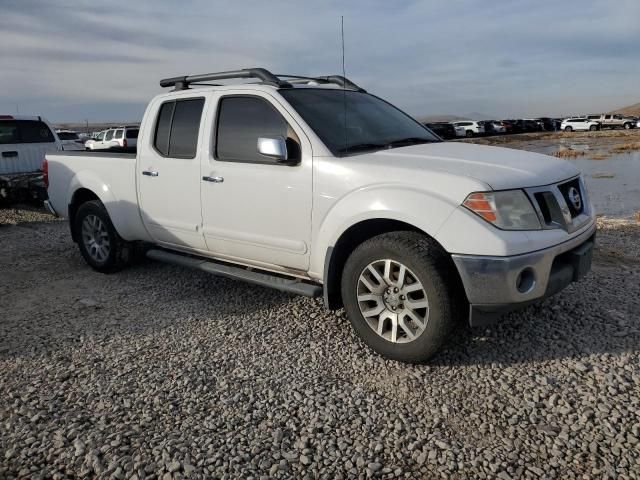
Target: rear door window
[
  {"x": 118, "y": 134},
  {"x": 177, "y": 128}
]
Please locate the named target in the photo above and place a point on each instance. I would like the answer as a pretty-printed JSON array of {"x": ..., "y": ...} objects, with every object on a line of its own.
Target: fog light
[{"x": 526, "y": 280}]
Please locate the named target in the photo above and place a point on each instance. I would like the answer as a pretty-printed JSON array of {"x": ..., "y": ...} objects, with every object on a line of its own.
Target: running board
[{"x": 291, "y": 285}]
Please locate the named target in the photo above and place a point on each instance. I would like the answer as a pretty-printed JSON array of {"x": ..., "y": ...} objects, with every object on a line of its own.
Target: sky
[{"x": 101, "y": 61}]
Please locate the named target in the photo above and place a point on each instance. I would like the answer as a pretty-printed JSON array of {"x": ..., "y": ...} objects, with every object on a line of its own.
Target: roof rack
[
  {"x": 335, "y": 79},
  {"x": 266, "y": 77}
]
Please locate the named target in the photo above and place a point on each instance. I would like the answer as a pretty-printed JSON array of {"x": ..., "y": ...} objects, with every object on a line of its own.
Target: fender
[
  {"x": 382, "y": 201},
  {"x": 124, "y": 214}
]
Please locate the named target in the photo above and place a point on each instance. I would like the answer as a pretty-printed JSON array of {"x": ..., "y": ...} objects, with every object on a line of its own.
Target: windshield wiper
[
  {"x": 362, "y": 146},
  {"x": 408, "y": 141}
]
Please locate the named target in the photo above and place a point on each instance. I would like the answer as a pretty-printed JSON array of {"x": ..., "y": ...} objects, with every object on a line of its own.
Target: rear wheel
[
  {"x": 100, "y": 245},
  {"x": 400, "y": 293},
  {"x": 568, "y": 129},
  {"x": 469, "y": 133}
]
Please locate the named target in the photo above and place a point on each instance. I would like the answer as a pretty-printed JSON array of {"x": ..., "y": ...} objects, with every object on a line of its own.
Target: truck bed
[{"x": 112, "y": 176}]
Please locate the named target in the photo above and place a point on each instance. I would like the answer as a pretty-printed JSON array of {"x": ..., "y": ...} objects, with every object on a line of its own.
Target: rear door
[
  {"x": 23, "y": 144},
  {"x": 169, "y": 171}
]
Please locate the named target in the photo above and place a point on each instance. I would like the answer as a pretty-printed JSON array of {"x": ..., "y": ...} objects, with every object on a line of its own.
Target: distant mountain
[
  {"x": 453, "y": 118},
  {"x": 633, "y": 110},
  {"x": 439, "y": 118}
]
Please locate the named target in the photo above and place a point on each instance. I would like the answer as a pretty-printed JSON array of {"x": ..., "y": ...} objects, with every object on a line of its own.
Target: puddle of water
[{"x": 613, "y": 182}]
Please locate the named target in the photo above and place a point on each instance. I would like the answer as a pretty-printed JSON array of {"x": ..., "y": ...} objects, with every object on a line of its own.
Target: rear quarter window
[{"x": 133, "y": 133}]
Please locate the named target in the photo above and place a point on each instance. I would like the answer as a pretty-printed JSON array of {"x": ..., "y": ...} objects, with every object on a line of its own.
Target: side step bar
[{"x": 291, "y": 285}]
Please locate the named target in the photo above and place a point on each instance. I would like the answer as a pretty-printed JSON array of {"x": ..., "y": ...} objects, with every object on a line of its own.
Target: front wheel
[
  {"x": 100, "y": 245},
  {"x": 469, "y": 133},
  {"x": 401, "y": 294},
  {"x": 568, "y": 129},
  {"x": 593, "y": 128},
  {"x": 627, "y": 126}
]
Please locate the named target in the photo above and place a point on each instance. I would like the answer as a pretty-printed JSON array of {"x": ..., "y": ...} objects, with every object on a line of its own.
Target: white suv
[
  {"x": 471, "y": 128},
  {"x": 571, "y": 124},
  {"x": 120, "y": 138}
]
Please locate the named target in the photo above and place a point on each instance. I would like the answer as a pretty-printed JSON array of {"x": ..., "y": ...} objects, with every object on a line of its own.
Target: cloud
[{"x": 519, "y": 58}]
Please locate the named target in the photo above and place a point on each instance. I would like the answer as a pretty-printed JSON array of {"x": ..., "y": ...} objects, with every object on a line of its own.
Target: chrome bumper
[
  {"x": 495, "y": 285},
  {"x": 49, "y": 207}
]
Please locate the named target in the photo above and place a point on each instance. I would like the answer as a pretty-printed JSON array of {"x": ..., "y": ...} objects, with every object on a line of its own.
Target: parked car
[
  {"x": 471, "y": 128},
  {"x": 70, "y": 140},
  {"x": 460, "y": 131},
  {"x": 510, "y": 126},
  {"x": 493, "y": 127},
  {"x": 571, "y": 124},
  {"x": 442, "y": 129},
  {"x": 24, "y": 140},
  {"x": 264, "y": 182},
  {"x": 614, "y": 120},
  {"x": 126, "y": 137},
  {"x": 548, "y": 124},
  {"x": 119, "y": 138},
  {"x": 531, "y": 125}
]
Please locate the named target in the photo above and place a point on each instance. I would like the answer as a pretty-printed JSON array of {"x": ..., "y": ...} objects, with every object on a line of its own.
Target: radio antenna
[{"x": 344, "y": 87}]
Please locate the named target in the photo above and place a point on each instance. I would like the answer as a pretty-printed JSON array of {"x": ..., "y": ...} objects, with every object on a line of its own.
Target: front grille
[
  {"x": 572, "y": 194},
  {"x": 563, "y": 205}
]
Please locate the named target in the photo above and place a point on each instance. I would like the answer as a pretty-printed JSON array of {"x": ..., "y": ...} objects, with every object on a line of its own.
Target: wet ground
[{"x": 609, "y": 160}]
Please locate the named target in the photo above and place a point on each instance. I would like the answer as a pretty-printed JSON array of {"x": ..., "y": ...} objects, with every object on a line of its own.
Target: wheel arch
[
  {"x": 80, "y": 196},
  {"x": 337, "y": 255}
]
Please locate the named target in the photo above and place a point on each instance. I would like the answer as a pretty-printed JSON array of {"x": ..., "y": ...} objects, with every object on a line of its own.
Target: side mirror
[{"x": 273, "y": 147}]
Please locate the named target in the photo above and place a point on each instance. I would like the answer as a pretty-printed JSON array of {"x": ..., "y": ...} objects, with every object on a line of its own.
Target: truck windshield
[{"x": 371, "y": 123}]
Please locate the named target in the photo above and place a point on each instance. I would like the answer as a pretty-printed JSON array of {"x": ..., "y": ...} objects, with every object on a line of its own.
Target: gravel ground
[{"x": 161, "y": 372}]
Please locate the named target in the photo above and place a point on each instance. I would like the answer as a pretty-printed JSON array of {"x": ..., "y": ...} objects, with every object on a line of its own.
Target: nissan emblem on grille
[{"x": 574, "y": 197}]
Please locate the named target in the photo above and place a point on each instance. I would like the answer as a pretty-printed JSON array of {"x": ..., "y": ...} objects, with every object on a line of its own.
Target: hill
[{"x": 633, "y": 110}]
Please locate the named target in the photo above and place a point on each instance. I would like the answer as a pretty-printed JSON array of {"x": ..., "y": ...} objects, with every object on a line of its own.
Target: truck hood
[{"x": 500, "y": 168}]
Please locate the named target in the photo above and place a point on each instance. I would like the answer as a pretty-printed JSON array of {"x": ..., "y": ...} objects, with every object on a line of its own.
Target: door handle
[
  {"x": 12, "y": 153},
  {"x": 213, "y": 179},
  {"x": 150, "y": 173}
]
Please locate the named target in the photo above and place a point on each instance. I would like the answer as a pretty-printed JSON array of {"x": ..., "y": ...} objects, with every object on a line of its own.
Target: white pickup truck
[{"x": 313, "y": 186}]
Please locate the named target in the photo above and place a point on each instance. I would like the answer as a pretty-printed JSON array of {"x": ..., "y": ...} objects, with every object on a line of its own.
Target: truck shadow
[{"x": 589, "y": 317}]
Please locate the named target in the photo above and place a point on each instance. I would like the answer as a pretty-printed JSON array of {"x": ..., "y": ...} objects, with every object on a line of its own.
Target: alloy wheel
[{"x": 393, "y": 301}]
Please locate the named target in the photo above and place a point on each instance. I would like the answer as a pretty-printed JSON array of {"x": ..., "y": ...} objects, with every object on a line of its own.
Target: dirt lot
[{"x": 160, "y": 372}]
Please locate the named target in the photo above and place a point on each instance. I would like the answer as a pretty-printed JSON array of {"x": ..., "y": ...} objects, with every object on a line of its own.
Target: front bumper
[{"x": 496, "y": 285}]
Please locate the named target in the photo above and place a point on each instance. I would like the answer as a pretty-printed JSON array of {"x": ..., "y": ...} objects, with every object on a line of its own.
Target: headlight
[{"x": 508, "y": 209}]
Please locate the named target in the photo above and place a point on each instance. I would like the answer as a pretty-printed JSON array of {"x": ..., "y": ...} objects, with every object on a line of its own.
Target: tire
[
  {"x": 593, "y": 128},
  {"x": 433, "y": 278},
  {"x": 568, "y": 129},
  {"x": 469, "y": 133},
  {"x": 99, "y": 243},
  {"x": 627, "y": 126}
]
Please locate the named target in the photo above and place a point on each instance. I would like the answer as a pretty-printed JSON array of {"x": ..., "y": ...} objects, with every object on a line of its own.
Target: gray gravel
[{"x": 160, "y": 372}]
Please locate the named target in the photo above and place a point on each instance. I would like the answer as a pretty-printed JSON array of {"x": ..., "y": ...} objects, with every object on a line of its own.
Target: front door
[
  {"x": 255, "y": 209},
  {"x": 169, "y": 173}
]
